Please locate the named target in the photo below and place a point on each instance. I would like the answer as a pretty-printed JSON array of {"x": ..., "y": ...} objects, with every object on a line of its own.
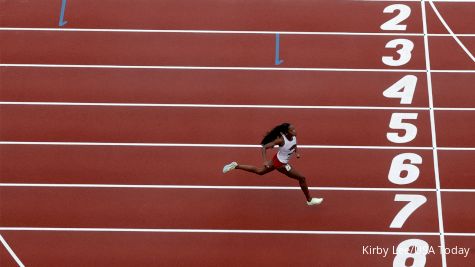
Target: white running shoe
[
  {"x": 315, "y": 201},
  {"x": 229, "y": 167}
]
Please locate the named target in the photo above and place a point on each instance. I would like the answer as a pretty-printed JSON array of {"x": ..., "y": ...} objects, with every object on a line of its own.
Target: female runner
[{"x": 284, "y": 136}]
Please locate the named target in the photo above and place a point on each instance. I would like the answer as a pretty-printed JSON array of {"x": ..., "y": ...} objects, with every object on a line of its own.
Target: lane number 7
[{"x": 415, "y": 201}]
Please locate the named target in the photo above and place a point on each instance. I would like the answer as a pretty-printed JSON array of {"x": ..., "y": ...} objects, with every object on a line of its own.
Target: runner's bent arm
[{"x": 277, "y": 142}]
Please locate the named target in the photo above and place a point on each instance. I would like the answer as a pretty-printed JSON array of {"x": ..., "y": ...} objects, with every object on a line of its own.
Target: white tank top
[{"x": 286, "y": 151}]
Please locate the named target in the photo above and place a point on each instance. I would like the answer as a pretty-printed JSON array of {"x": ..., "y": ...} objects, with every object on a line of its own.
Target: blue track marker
[
  {"x": 278, "y": 61},
  {"x": 61, "y": 17}
]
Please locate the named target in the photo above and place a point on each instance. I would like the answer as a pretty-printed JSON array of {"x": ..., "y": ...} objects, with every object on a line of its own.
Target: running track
[{"x": 115, "y": 128}]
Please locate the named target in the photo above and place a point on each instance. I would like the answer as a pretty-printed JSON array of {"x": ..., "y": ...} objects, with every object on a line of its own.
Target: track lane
[
  {"x": 178, "y": 166},
  {"x": 6, "y": 260},
  {"x": 209, "y": 209},
  {"x": 456, "y": 14},
  {"x": 338, "y": 259},
  {"x": 457, "y": 169},
  {"x": 270, "y": 15},
  {"x": 192, "y": 249},
  {"x": 184, "y": 49},
  {"x": 209, "y": 87},
  {"x": 210, "y": 15},
  {"x": 453, "y": 90},
  {"x": 459, "y": 214},
  {"x": 446, "y": 53},
  {"x": 460, "y": 260},
  {"x": 454, "y": 128},
  {"x": 193, "y": 125}
]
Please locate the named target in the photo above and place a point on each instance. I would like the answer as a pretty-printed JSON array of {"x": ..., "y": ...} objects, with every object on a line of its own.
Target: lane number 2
[{"x": 394, "y": 24}]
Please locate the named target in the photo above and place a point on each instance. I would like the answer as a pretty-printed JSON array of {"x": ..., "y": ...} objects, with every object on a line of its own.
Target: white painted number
[
  {"x": 415, "y": 201},
  {"x": 404, "y": 52},
  {"x": 403, "y": 89},
  {"x": 415, "y": 249},
  {"x": 394, "y": 23},
  {"x": 403, "y": 168},
  {"x": 398, "y": 167},
  {"x": 397, "y": 124}
]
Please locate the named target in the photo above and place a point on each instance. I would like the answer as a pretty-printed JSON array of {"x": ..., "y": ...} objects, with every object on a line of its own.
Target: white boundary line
[
  {"x": 181, "y": 105},
  {"x": 458, "y": 190},
  {"x": 446, "y": 1},
  {"x": 460, "y": 234},
  {"x": 455, "y": 109},
  {"x": 131, "y": 186},
  {"x": 448, "y": 35},
  {"x": 453, "y": 71},
  {"x": 228, "y": 231},
  {"x": 210, "y": 68},
  {"x": 231, "y": 32},
  {"x": 151, "y": 186},
  {"x": 231, "y": 231},
  {"x": 433, "y": 134},
  {"x": 225, "y": 68},
  {"x": 10, "y": 250},
  {"x": 450, "y": 31},
  {"x": 207, "y": 105},
  {"x": 230, "y": 145},
  {"x": 208, "y": 31},
  {"x": 456, "y": 148},
  {"x": 213, "y": 145}
]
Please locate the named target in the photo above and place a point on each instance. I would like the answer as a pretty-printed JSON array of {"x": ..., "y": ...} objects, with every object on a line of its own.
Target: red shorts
[{"x": 277, "y": 164}]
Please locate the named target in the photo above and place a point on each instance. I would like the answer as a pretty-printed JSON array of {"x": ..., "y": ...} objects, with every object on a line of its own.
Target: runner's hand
[{"x": 268, "y": 164}]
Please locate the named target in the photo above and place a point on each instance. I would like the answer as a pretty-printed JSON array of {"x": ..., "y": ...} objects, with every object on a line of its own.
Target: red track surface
[
  {"x": 218, "y": 87},
  {"x": 160, "y": 200},
  {"x": 324, "y": 167},
  {"x": 148, "y": 125},
  {"x": 179, "y": 249},
  {"x": 244, "y": 209},
  {"x": 183, "y": 49},
  {"x": 208, "y": 15}
]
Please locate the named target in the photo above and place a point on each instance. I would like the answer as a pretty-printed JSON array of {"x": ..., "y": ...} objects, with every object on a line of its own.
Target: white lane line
[
  {"x": 132, "y": 186},
  {"x": 10, "y": 250},
  {"x": 228, "y": 32},
  {"x": 460, "y": 234},
  {"x": 456, "y": 148},
  {"x": 205, "y": 145},
  {"x": 452, "y": 71},
  {"x": 440, "y": 216},
  {"x": 447, "y": 1},
  {"x": 230, "y": 145},
  {"x": 182, "y": 105},
  {"x": 455, "y": 109},
  {"x": 208, "y": 106},
  {"x": 209, "y": 31},
  {"x": 230, "y": 231},
  {"x": 449, "y": 35},
  {"x": 205, "y": 68},
  {"x": 458, "y": 190},
  {"x": 226, "y": 68},
  {"x": 469, "y": 54},
  {"x": 224, "y": 187}
]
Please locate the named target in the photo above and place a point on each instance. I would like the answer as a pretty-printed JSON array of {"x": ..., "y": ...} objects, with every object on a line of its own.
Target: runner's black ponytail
[{"x": 276, "y": 132}]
